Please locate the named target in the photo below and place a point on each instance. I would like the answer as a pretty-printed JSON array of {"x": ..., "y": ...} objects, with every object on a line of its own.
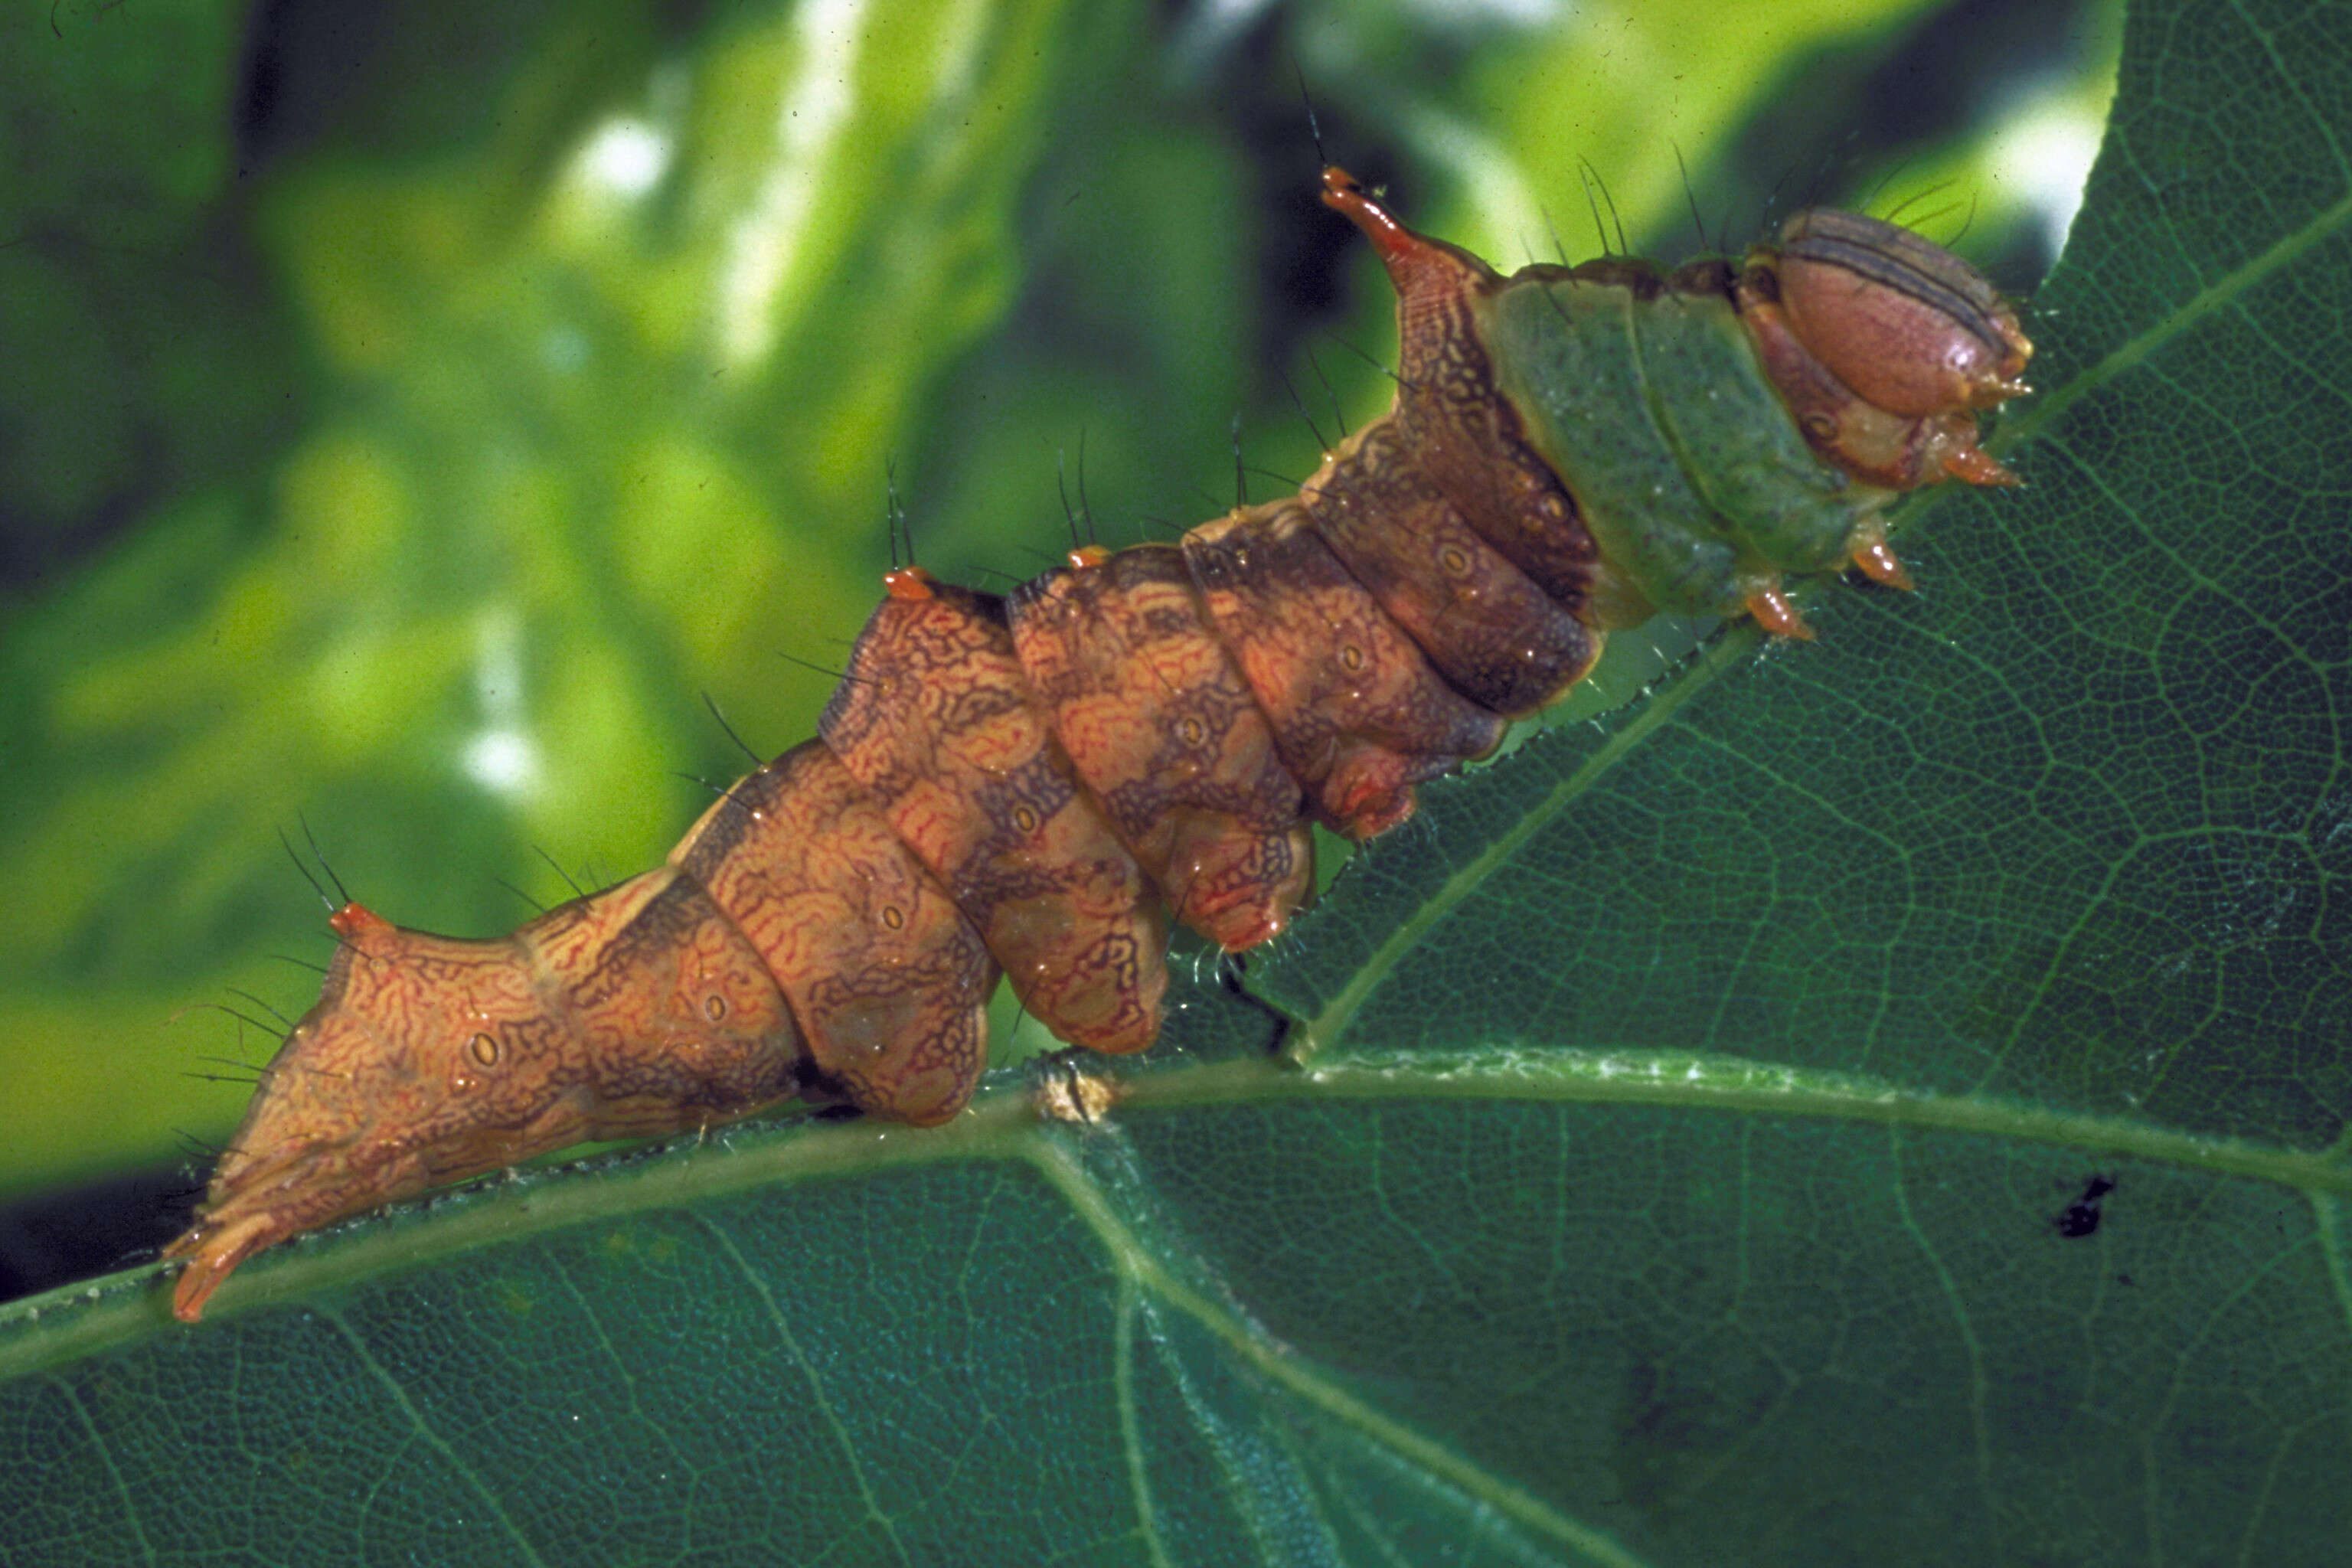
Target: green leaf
[{"x": 1664, "y": 1165}]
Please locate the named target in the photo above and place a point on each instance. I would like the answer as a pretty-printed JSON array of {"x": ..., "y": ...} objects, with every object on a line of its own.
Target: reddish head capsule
[{"x": 1909, "y": 326}]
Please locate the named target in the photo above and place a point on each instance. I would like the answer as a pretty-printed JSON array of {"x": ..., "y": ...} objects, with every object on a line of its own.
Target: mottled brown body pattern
[
  {"x": 1040, "y": 784},
  {"x": 1166, "y": 734},
  {"x": 886, "y": 978},
  {"x": 935, "y": 721}
]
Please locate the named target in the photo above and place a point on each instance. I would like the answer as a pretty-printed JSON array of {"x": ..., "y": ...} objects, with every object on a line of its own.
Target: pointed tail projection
[{"x": 1038, "y": 785}]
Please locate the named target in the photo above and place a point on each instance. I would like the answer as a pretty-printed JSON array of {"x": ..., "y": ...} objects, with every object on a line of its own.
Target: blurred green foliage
[{"x": 414, "y": 415}]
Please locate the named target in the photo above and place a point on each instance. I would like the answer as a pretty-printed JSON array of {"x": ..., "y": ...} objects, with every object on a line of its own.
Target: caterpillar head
[
  {"x": 1885, "y": 345},
  {"x": 1907, "y": 324}
]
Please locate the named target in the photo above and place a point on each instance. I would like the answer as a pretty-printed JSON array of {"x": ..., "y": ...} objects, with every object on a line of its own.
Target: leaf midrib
[
  {"x": 1004, "y": 1125},
  {"x": 2176, "y": 323}
]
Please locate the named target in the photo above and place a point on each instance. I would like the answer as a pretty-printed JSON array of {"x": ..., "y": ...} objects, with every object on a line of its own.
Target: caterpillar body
[{"x": 1037, "y": 785}]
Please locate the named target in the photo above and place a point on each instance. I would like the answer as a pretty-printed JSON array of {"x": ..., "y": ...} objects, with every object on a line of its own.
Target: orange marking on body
[
  {"x": 1398, "y": 246},
  {"x": 909, "y": 584},
  {"x": 1087, "y": 557},
  {"x": 353, "y": 922}
]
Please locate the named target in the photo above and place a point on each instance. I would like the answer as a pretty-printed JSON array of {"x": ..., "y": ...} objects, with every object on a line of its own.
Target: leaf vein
[
  {"x": 433, "y": 1439},
  {"x": 792, "y": 1345}
]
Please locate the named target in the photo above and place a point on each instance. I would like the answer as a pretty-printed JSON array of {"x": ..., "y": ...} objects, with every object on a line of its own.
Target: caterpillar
[{"x": 1037, "y": 785}]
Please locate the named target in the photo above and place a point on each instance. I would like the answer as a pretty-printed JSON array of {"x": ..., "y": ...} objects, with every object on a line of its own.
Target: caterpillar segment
[{"x": 1039, "y": 784}]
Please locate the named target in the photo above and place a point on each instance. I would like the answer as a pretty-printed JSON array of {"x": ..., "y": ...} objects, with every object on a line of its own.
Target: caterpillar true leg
[
  {"x": 1038, "y": 785},
  {"x": 1875, "y": 561},
  {"x": 1776, "y": 614}
]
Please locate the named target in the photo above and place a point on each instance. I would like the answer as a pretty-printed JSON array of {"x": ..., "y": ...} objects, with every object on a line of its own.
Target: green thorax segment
[{"x": 1646, "y": 394}]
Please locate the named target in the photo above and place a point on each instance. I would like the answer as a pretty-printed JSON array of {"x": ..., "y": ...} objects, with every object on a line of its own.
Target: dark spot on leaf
[{"x": 2080, "y": 1217}]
